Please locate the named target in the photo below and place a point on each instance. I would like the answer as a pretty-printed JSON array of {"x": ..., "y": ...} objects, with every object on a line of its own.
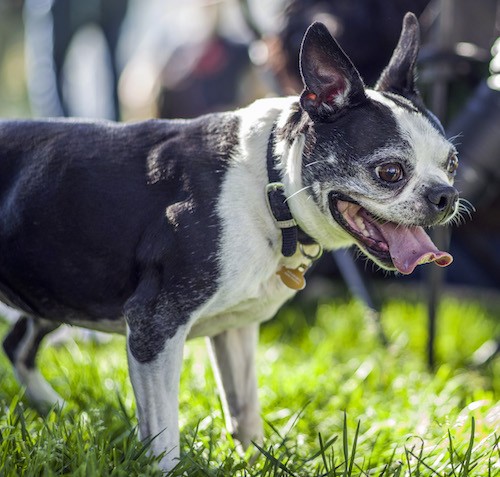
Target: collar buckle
[{"x": 276, "y": 201}]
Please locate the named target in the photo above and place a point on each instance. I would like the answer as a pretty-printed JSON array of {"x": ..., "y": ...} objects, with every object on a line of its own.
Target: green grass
[{"x": 334, "y": 401}]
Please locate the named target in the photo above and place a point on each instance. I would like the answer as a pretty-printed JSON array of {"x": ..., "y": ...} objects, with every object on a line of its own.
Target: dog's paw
[{"x": 40, "y": 393}]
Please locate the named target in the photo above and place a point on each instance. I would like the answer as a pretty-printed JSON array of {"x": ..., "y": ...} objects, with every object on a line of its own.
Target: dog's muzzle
[{"x": 391, "y": 245}]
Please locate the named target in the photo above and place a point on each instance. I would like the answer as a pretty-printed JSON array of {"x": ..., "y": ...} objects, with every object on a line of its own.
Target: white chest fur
[
  {"x": 249, "y": 288},
  {"x": 251, "y": 291}
]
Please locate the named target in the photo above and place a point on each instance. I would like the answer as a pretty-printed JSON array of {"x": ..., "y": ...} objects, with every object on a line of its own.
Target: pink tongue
[{"x": 411, "y": 246}]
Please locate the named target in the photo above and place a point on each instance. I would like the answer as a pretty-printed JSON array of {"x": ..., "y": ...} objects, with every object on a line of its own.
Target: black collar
[{"x": 291, "y": 233}]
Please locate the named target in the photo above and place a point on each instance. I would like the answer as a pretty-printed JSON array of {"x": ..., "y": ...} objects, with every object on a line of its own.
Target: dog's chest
[{"x": 253, "y": 292}]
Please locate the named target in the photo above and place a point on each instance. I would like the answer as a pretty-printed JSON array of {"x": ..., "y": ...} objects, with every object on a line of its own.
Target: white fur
[
  {"x": 39, "y": 392},
  {"x": 9, "y": 313},
  {"x": 156, "y": 389},
  {"x": 232, "y": 354}
]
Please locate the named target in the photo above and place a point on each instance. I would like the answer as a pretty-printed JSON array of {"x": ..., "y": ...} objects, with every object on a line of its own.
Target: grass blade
[
  {"x": 464, "y": 472},
  {"x": 353, "y": 450},
  {"x": 274, "y": 460}
]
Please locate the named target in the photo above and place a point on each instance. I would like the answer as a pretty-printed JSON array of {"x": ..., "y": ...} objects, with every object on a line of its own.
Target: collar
[{"x": 291, "y": 233}]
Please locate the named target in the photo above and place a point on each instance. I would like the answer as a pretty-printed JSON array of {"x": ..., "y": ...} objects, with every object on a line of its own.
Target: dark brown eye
[
  {"x": 452, "y": 165},
  {"x": 391, "y": 172}
]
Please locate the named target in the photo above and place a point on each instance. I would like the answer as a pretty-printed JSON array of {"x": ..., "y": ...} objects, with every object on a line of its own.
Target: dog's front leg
[
  {"x": 155, "y": 378},
  {"x": 233, "y": 359}
]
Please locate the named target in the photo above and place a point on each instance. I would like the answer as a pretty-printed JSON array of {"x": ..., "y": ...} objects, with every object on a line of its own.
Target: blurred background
[{"x": 131, "y": 60}]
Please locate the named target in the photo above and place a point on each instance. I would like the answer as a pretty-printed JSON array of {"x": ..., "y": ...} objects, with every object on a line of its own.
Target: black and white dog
[{"x": 169, "y": 230}]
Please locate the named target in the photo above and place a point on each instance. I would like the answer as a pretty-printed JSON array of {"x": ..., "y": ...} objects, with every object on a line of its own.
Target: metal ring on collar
[{"x": 309, "y": 256}]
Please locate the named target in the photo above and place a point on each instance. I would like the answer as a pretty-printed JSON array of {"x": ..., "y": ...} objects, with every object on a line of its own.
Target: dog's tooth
[
  {"x": 360, "y": 223},
  {"x": 361, "y": 226}
]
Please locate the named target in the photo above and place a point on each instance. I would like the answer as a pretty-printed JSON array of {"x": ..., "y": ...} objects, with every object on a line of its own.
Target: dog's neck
[
  {"x": 256, "y": 122},
  {"x": 291, "y": 233}
]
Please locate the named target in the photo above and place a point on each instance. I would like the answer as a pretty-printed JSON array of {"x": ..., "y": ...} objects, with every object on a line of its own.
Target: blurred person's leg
[{"x": 42, "y": 79}]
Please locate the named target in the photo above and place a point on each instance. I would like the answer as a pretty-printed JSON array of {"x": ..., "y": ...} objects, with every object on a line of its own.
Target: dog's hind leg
[
  {"x": 21, "y": 346},
  {"x": 233, "y": 359}
]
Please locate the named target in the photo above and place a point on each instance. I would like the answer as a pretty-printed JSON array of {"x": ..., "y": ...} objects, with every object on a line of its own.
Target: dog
[{"x": 169, "y": 230}]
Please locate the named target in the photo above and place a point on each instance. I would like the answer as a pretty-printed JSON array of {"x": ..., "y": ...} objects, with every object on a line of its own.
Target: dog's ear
[
  {"x": 331, "y": 82},
  {"x": 399, "y": 75}
]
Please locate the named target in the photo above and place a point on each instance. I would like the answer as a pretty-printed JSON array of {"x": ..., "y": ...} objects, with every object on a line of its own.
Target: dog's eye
[
  {"x": 391, "y": 172},
  {"x": 452, "y": 165}
]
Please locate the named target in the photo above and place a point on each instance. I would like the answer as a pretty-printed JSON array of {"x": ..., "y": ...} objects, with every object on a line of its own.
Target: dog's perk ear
[
  {"x": 399, "y": 75},
  {"x": 331, "y": 82}
]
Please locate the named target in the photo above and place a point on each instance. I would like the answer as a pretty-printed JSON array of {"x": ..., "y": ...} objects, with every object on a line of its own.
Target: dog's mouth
[{"x": 395, "y": 247}]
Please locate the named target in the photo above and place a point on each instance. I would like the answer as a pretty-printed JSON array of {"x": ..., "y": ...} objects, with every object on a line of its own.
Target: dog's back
[{"x": 80, "y": 202}]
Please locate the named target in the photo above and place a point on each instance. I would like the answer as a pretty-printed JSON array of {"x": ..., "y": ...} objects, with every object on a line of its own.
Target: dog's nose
[{"x": 442, "y": 200}]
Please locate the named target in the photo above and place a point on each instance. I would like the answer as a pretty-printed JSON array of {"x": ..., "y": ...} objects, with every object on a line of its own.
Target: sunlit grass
[{"x": 335, "y": 402}]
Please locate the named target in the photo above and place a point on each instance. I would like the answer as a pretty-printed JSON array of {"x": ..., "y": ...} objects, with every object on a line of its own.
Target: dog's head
[{"x": 370, "y": 167}]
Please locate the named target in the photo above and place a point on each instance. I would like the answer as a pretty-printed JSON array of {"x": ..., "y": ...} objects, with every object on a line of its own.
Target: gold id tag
[{"x": 293, "y": 277}]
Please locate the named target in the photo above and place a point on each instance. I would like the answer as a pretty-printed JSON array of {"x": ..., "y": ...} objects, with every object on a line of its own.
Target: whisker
[
  {"x": 312, "y": 163},
  {"x": 456, "y": 220},
  {"x": 295, "y": 193},
  {"x": 462, "y": 211},
  {"x": 456, "y": 136},
  {"x": 467, "y": 204}
]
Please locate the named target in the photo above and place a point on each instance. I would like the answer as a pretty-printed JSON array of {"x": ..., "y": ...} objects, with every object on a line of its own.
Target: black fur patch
[
  {"x": 12, "y": 340},
  {"x": 177, "y": 256},
  {"x": 17, "y": 335},
  {"x": 353, "y": 136},
  {"x": 297, "y": 123},
  {"x": 91, "y": 213}
]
